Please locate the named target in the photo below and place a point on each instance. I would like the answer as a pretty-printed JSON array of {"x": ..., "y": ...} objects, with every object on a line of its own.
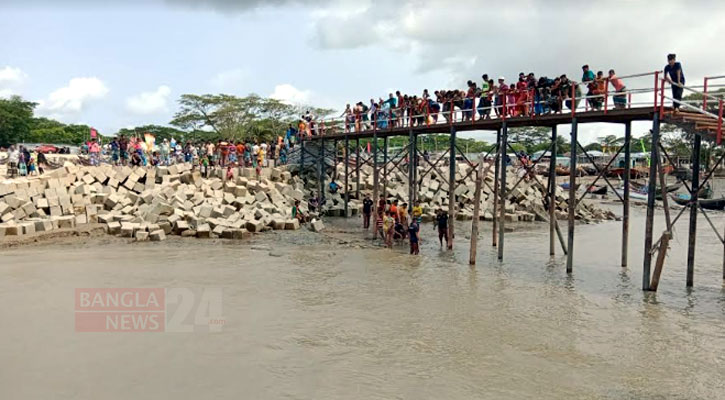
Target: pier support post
[
  {"x": 321, "y": 171},
  {"x": 415, "y": 173},
  {"x": 412, "y": 148},
  {"x": 385, "y": 166},
  {"x": 502, "y": 195},
  {"x": 452, "y": 188},
  {"x": 357, "y": 168},
  {"x": 302, "y": 156},
  {"x": 347, "y": 182},
  {"x": 572, "y": 197},
  {"x": 651, "y": 193},
  {"x": 692, "y": 235},
  {"x": 552, "y": 193},
  {"x": 496, "y": 169},
  {"x": 476, "y": 213},
  {"x": 625, "y": 204},
  {"x": 334, "y": 175},
  {"x": 375, "y": 185}
]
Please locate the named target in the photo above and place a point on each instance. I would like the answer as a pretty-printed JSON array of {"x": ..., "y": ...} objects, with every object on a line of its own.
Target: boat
[
  {"x": 619, "y": 173},
  {"x": 634, "y": 194},
  {"x": 643, "y": 188},
  {"x": 707, "y": 204},
  {"x": 565, "y": 186},
  {"x": 562, "y": 171}
]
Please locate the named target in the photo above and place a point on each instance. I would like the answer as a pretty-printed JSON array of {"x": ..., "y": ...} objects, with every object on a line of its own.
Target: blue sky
[{"x": 125, "y": 64}]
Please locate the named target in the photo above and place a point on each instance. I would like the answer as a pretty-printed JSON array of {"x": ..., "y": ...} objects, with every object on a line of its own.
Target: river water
[{"x": 334, "y": 317}]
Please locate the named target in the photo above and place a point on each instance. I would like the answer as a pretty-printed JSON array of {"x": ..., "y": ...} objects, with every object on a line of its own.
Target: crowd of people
[
  {"x": 395, "y": 225},
  {"x": 22, "y": 161},
  {"x": 527, "y": 95},
  {"x": 223, "y": 153}
]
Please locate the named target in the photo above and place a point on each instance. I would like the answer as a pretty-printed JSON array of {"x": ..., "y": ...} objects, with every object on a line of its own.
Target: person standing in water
[
  {"x": 414, "y": 237},
  {"x": 442, "y": 225}
]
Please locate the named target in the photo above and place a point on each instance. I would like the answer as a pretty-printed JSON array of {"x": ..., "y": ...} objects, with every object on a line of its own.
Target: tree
[
  {"x": 593, "y": 146},
  {"x": 532, "y": 138},
  {"x": 16, "y": 117},
  {"x": 235, "y": 118}
]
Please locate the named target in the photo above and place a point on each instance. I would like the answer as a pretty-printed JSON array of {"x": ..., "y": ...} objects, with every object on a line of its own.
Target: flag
[{"x": 94, "y": 133}]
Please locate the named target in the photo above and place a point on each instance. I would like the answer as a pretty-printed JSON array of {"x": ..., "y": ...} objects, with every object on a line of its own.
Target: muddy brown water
[{"x": 335, "y": 317}]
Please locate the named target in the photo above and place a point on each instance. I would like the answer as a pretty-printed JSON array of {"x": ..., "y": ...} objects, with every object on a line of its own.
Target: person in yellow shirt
[
  {"x": 417, "y": 212},
  {"x": 403, "y": 215},
  {"x": 388, "y": 228}
]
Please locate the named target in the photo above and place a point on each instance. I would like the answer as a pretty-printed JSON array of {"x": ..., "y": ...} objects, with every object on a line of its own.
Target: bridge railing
[
  {"x": 715, "y": 114},
  {"x": 648, "y": 92}
]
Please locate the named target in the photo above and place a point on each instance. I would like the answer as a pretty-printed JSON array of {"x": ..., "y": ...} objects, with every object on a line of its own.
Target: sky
[{"x": 118, "y": 64}]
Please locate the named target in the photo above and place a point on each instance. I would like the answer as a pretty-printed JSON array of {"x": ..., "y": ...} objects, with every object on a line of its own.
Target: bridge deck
[{"x": 548, "y": 120}]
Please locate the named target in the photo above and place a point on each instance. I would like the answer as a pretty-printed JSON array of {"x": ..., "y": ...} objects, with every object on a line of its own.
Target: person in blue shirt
[
  {"x": 334, "y": 187},
  {"x": 675, "y": 76}
]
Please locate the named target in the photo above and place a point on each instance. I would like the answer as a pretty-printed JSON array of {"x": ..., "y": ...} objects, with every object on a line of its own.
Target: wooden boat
[
  {"x": 708, "y": 204},
  {"x": 562, "y": 171},
  {"x": 634, "y": 194},
  {"x": 565, "y": 186},
  {"x": 619, "y": 173},
  {"x": 643, "y": 188}
]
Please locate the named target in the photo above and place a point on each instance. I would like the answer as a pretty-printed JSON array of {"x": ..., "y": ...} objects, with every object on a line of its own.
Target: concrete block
[
  {"x": 113, "y": 228},
  {"x": 141, "y": 236},
  {"x": 316, "y": 225},
  {"x": 157, "y": 235}
]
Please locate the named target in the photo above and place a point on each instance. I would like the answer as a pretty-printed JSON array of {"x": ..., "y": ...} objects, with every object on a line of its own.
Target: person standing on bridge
[
  {"x": 620, "y": 100},
  {"x": 676, "y": 78}
]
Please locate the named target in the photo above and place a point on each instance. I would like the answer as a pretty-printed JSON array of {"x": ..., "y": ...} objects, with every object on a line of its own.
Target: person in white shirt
[{"x": 13, "y": 158}]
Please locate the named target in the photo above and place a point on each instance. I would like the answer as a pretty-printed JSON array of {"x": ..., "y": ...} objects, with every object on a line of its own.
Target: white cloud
[
  {"x": 290, "y": 94},
  {"x": 72, "y": 99},
  {"x": 228, "y": 80},
  {"x": 147, "y": 103},
  {"x": 6, "y": 93},
  {"x": 10, "y": 76}
]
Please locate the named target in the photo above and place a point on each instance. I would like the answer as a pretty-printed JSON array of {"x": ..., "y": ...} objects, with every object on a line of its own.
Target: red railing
[{"x": 529, "y": 102}]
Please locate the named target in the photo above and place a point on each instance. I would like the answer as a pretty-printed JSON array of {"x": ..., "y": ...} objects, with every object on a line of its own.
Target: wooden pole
[
  {"x": 661, "y": 253},
  {"x": 497, "y": 158},
  {"x": 452, "y": 188},
  {"x": 347, "y": 183},
  {"x": 375, "y": 185},
  {"x": 320, "y": 162},
  {"x": 385, "y": 166},
  {"x": 302, "y": 156},
  {"x": 357, "y": 169},
  {"x": 476, "y": 213},
  {"x": 415, "y": 173},
  {"x": 651, "y": 193},
  {"x": 572, "y": 197},
  {"x": 411, "y": 166},
  {"x": 692, "y": 236},
  {"x": 625, "y": 203},
  {"x": 552, "y": 193},
  {"x": 502, "y": 189}
]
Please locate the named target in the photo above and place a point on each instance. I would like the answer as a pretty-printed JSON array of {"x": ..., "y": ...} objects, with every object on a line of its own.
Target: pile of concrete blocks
[
  {"x": 149, "y": 203},
  {"x": 525, "y": 202}
]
